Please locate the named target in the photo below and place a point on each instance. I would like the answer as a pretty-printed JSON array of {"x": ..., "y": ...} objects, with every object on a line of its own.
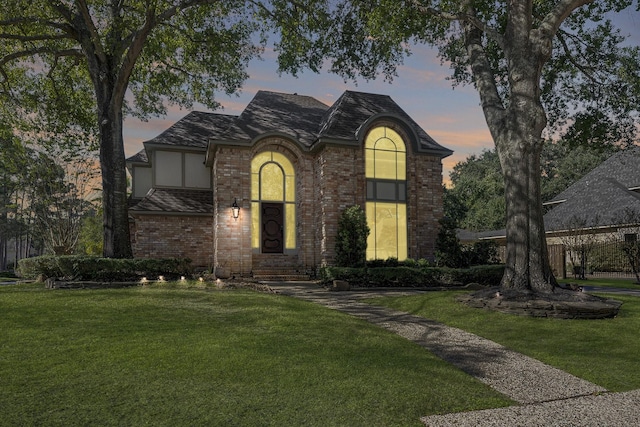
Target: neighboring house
[
  {"x": 593, "y": 216},
  {"x": 291, "y": 165},
  {"x": 604, "y": 199},
  {"x": 601, "y": 207}
]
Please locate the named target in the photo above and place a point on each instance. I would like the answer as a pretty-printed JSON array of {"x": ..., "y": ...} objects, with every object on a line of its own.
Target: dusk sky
[{"x": 453, "y": 117}]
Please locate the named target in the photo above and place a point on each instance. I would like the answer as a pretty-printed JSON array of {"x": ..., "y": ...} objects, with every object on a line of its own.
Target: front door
[{"x": 272, "y": 228}]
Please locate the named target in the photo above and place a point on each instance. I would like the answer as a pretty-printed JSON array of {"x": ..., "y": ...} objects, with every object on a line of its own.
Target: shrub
[
  {"x": 74, "y": 267},
  {"x": 486, "y": 275},
  {"x": 404, "y": 276},
  {"x": 374, "y": 263},
  {"x": 400, "y": 277},
  {"x": 351, "y": 242},
  {"x": 355, "y": 276}
]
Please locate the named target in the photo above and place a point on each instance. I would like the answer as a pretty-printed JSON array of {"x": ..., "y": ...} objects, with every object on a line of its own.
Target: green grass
[
  {"x": 172, "y": 356},
  {"x": 605, "y": 352},
  {"x": 605, "y": 283}
]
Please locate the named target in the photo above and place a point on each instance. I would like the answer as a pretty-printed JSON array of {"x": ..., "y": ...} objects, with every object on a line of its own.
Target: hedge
[
  {"x": 74, "y": 267},
  {"x": 487, "y": 275}
]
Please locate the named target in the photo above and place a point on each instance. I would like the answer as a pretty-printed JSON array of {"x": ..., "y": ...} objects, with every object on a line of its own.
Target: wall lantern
[{"x": 235, "y": 209}]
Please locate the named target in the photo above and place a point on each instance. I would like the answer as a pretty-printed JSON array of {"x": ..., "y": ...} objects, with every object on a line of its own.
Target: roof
[
  {"x": 303, "y": 118},
  {"x": 139, "y": 157},
  {"x": 175, "y": 200},
  {"x": 194, "y": 130},
  {"x": 353, "y": 109},
  {"x": 603, "y": 197},
  {"x": 466, "y": 236},
  {"x": 291, "y": 114}
]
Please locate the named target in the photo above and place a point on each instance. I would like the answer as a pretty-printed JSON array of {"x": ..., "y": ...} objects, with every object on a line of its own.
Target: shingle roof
[
  {"x": 139, "y": 157},
  {"x": 623, "y": 167},
  {"x": 344, "y": 119},
  {"x": 602, "y": 197},
  {"x": 304, "y": 118},
  {"x": 194, "y": 129},
  {"x": 175, "y": 200},
  {"x": 292, "y": 114}
]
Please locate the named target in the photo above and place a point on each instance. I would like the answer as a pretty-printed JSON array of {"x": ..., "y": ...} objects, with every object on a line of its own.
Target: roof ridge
[{"x": 330, "y": 113}]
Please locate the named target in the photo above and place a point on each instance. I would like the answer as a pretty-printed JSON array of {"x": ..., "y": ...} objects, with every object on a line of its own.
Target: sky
[{"x": 453, "y": 117}]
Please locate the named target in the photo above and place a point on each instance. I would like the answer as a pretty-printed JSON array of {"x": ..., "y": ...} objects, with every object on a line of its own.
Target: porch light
[{"x": 235, "y": 209}]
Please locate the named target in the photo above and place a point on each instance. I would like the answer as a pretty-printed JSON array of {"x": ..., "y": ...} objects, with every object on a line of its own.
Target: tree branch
[
  {"x": 137, "y": 38},
  {"x": 587, "y": 71},
  {"x": 36, "y": 51},
  {"x": 85, "y": 15},
  {"x": 41, "y": 37},
  {"x": 492, "y": 105},
  {"x": 552, "y": 21},
  {"x": 35, "y": 20},
  {"x": 490, "y": 32}
]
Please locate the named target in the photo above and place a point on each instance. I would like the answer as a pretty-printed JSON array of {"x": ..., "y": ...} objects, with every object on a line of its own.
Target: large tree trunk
[
  {"x": 117, "y": 243},
  {"x": 527, "y": 263},
  {"x": 516, "y": 121}
]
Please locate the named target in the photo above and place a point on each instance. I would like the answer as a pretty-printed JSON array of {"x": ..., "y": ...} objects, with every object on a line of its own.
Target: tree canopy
[
  {"x": 540, "y": 69},
  {"x": 478, "y": 186},
  {"x": 100, "y": 60}
]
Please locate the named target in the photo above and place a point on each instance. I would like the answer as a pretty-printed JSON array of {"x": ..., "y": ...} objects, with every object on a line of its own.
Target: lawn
[
  {"x": 605, "y": 352},
  {"x": 175, "y": 356},
  {"x": 604, "y": 282}
]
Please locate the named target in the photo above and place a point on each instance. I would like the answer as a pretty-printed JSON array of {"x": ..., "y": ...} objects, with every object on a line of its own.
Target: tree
[
  {"x": 12, "y": 162},
  {"x": 90, "y": 239},
  {"x": 182, "y": 51},
  {"x": 533, "y": 64},
  {"x": 564, "y": 162},
  {"x": 627, "y": 237},
  {"x": 477, "y": 182},
  {"x": 580, "y": 239},
  {"x": 478, "y": 186},
  {"x": 61, "y": 188}
]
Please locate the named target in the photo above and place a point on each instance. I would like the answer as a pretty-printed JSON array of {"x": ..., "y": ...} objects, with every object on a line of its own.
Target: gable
[
  {"x": 292, "y": 115},
  {"x": 349, "y": 117}
]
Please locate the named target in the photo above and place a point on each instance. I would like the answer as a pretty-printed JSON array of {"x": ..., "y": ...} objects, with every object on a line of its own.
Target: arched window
[
  {"x": 273, "y": 208},
  {"x": 386, "y": 173}
]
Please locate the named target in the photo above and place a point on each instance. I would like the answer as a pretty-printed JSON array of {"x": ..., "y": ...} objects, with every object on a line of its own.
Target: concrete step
[{"x": 280, "y": 275}]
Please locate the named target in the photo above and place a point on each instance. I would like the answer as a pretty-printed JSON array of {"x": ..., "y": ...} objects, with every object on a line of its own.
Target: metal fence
[{"x": 603, "y": 260}]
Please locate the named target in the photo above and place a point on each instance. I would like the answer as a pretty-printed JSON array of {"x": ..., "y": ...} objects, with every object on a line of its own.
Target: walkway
[{"x": 548, "y": 396}]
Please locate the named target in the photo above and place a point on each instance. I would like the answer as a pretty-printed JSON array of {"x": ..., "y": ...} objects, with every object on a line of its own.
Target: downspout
[{"x": 215, "y": 218}]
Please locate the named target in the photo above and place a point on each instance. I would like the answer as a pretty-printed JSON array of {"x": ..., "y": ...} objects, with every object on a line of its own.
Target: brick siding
[
  {"x": 327, "y": 181},
  {"x": 160, "y": 236}
]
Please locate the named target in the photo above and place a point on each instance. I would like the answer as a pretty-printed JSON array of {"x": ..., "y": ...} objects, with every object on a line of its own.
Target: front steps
[
  {"x": 278, "y": 268},
  {"x": 275, "y": 274}
]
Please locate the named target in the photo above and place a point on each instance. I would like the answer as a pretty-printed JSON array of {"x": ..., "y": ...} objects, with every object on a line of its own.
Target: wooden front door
[{"x": 272, "y": 228}]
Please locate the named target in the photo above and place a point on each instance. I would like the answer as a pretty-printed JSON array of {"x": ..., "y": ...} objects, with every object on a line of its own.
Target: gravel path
[{"x": 547, "y": 395}]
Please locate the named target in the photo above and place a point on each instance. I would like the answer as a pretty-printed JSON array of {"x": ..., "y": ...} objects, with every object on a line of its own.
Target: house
[
  {"x": 265, "y": 189},
  {"x": 593, "y": 214},
  {"x": 603, "y": 199},
  {"x": 592, "y": 217}
]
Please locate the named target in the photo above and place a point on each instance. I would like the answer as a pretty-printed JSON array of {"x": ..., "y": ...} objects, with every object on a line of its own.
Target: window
[
  {"x": 273, "y": 180},
  {"x": 176, "y": 169},
  {"x": 385, "y": 166},
  {"x": 168, "y": 168}
]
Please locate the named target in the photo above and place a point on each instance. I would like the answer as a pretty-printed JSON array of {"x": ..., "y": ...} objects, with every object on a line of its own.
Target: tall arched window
[
  {"x": 273, "y": 208},
  {"x": 386, "y": 166}
]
